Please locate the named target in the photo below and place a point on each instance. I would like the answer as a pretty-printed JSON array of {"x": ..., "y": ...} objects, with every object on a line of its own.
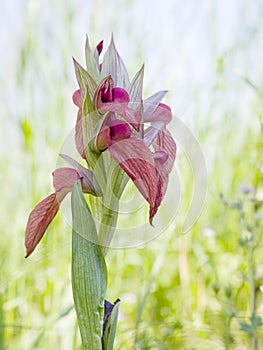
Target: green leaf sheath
[{"x": 89, "y": 273}]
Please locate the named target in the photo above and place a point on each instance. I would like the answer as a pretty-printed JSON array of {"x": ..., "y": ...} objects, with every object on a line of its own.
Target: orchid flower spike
[
  {"x": 114, "y": 118},
  {"x": 133, "y": 130}
]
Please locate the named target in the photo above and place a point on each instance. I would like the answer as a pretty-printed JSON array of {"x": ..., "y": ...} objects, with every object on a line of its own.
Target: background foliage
[{"x": 179, "y": 291}]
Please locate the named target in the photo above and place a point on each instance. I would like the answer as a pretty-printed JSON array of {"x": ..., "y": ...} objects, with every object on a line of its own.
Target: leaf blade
[{"x": 89, "y": 272}]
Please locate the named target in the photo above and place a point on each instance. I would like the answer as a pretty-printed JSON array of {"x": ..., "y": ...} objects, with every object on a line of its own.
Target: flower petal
[
  {"x": 164, "y": 142},
  {"x": 100, "y": 47},
  {"x": 64, "y": 179},
  {"x": 39, "y": 220},
  {"x": 151, "y": 103},
  {"x": 131, "y": 116},
  {"x": 160, "y": 117},
  {"x": 113, "y": 65},
  {"x": 164, "y": 156},
  {"x": 113, "y": 131},
  {"x": 119, "y": 130},
  {"x": 77, "y": 98},
  {"x": 79, "y": 135},
  {"x": 136, "y": 160},
  {"x": 161, "y": 189},
  {"x": 120, "y": 95}
]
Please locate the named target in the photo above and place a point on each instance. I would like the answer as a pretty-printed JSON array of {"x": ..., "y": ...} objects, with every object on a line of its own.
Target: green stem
[{"x": 116, "y": 182}]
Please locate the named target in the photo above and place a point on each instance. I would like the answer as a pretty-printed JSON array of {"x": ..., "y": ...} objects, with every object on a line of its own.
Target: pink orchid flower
[{"x": 45, "y": 211}]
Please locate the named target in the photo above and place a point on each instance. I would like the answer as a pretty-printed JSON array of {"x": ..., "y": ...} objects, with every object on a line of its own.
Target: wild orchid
[{"x": 120, "y": 136}]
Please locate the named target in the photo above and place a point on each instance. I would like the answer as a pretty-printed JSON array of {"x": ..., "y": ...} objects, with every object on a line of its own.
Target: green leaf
[
  {"x": 89, "y": 272},
  {"x": 110, "y": 330},
  {"x": 85, "y": 80}
]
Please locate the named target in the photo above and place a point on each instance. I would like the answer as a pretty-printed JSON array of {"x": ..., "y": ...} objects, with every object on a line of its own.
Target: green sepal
[
  {"x": 114, "y": 66},
  {"x": 135, "y": 89},
  {"x": 85, "y": 80},
  {"x": 110, "y": 329},
  {"x": 89, "y": 272},
  {"x": 92, "y": 64},
  {"x": 91, "y": 125}
]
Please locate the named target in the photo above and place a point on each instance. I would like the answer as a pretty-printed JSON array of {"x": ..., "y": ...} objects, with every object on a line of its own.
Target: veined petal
[
  {"x": 151, "y": 103},
  {"x": 64, "y": 179},
  {"x": 164, "y": 142},
  {"x": 160, "y": 117},
  {"x": 113, "y": 65},
  {"x": 164, "y": 156},
  {"x": 39, "y": 220},
  {"x": 160, "y": 156},
  {"x": 136, "y": 160},
  {"x": 162, "y": 113},
  {"x": 88, "y": 179},
  {"x": 162, "y": 183}
]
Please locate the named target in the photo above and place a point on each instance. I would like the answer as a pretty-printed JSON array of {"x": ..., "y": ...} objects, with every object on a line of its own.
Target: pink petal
[
  {"x": 79, "y": 135},
  {"x": 136, "y": 160},
  {"x": 152, "y": 102},
  {"x": 104, "y": 92},
  {"x": 162, "y": 113},
  {"x": 159, "y": 119},
  {"x": 116, "y": 130},
  {"x": 88, "y": 180},
  {"x": 100, "y": 47},
  {"x": 163, "y": 145},
  {"x": 103, "y": 140},
  {"x": 119, "y": 130},
  {"x": 64, "y": 179},
  {"x": 39, "y": 220},
  {"x": 161, "y": 189},
  {"x": 77, "y": 98},
  {"x": 131, "y": 116},
  {"x": 120, "y": 95},
  {"x": 160, "y": 156}
]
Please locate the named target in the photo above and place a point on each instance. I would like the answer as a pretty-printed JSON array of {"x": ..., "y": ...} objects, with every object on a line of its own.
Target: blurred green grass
[{"x": 166, "y": 287}]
